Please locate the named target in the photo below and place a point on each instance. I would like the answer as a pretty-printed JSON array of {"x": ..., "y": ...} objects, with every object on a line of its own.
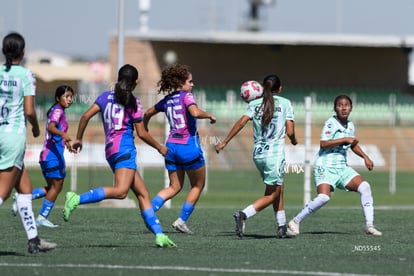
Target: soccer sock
[
  {"x": 46, "y": 207},
  {"x": 280, "y": 218},
  {"x": 157, "y": 202},
  {"x": 92, "y": 196},
  {"x": 24, "y": 205},
  {"x": 312, "y": 207},
  {"x": 38, "y": 193},
  {"x": 367, "y": 202},
  {"x": 152, "y": 221},
  {"x": 249, "y": 211},
  {"x": 186, "y": 211}
]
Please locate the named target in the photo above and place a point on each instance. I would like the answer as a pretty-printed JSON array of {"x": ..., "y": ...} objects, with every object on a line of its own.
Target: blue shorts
[
  {"x": 124, "y": 159},
  {"x": 54, "y": 168},
  {"x": 184, "y": 156}
]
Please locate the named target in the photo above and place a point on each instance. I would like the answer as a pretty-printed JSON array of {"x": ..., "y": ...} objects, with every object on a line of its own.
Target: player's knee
[
  {"x": 324, "y": 198},
  {"x": 364, "y": 188}
]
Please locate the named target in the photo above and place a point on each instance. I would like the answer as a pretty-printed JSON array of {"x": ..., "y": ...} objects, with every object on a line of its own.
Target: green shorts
[
  {"x": 12, "y": 150},
  {"x": 336, "y": 177},
  {"x": 272, "y": 169}
]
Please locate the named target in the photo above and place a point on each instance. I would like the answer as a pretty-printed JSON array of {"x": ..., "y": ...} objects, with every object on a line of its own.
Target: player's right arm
[
  {"x": 30, "y": 113},
  {"x": 233, "y": 132},
  {"x": 84, "y": 120}
]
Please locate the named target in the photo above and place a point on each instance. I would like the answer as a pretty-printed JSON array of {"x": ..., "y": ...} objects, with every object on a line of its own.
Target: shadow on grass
[{"x": 9, "y": 253}]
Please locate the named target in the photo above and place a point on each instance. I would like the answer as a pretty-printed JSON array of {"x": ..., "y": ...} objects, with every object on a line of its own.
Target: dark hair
[
  {"x": 127, "y": 81},
  {"x": 270, "y": 83},
  {"x": 13, "y": 48},
  {"x": 172, "y": 77},
  {"x": 340, "y": 97},
  {"x": 58, "y": 93}
]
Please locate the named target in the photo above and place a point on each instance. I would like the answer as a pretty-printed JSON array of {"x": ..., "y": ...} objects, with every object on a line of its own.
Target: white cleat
[
  {"x": 293, "y": 228},
  {"x": 370, "y": 230}
]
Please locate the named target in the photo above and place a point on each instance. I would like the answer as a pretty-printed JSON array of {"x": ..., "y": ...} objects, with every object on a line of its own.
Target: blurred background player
[
  {"x": 52, "y": 160},
  {"x": 185, "y": 155},
  {"x": 120, "y": 112},
  {"x": 273, "y": 118},
  {"x": 331, "y": 171},
  {"x": 17, "y": 93}
]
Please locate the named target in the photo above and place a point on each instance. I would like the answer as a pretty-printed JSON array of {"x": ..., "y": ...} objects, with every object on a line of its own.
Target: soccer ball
[{"x": 251, "y": 90}]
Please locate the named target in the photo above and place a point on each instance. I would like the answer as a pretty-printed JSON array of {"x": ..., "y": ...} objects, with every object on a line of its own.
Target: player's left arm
[
  {"x": 147, "y": 138},
  {"x": 358, "y": 151},
  {"x": 201, "y": 114}
]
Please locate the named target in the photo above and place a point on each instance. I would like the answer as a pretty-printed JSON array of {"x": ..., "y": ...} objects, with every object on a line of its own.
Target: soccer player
[
  {"x": 17, "y": 93},
  {"x": 273, "y": 118},
  {"x": 331, "y": 171},
  {"x": 120, "y": 111},
  {"x": 52, "y": 160},
  {"x": 185, "y": 155}
]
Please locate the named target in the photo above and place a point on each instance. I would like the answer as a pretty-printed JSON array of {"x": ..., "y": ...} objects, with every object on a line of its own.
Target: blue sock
[
  {"x": 38, "y": 193},
  {"x": 46, "y": 208},
  {"x": 186, "y": 211},
  {"x": 151, "y": 220},
  {"x": 92, "y": 196},
  {"x": 157, "y": 203}
]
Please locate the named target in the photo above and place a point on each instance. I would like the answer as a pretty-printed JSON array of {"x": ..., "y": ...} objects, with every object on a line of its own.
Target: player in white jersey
[
  {"x": 17, "y": 92},
  {"x": 331, "y": 170},
  {"x": 273, "y": 119}
]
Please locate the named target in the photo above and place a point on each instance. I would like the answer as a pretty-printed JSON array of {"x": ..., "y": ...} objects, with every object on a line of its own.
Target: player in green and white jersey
[
  {"x": 273, "y": 119},
  {"x": 331, "y": 170},
  {"x": 17, "y": 91}
]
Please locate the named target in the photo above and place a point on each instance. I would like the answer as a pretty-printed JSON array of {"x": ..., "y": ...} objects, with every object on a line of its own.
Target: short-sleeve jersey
[
  {"x": 336, "y": 156},
  {"x": 182, "y": 123},
  {"x": 118, "y": 123},
  {"x": 270, "y": 140},
  {"x": 54, "y": 145},
  {"x": 15, "y": 84}
]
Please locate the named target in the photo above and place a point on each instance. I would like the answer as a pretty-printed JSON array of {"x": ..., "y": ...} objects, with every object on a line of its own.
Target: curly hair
[{"x": 173, "y": 77}]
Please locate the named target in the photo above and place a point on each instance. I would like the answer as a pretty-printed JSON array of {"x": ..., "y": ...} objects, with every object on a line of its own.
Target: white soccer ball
[{"x": 251, "y": 90}]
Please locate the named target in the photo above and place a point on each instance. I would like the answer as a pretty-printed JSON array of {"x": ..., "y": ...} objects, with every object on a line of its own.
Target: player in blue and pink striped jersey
[
  {"x": 121, "y": 112},
  {"x": 184, "y": 151}
]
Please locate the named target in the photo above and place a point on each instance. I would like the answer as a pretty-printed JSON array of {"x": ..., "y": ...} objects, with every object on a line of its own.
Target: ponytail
[
  {"x": 270, "y": 83},
  {"x": 127, "y": 81}
]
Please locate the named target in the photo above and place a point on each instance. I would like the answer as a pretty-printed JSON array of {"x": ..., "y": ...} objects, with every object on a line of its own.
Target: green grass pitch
[{"x": 110, "y": 241}]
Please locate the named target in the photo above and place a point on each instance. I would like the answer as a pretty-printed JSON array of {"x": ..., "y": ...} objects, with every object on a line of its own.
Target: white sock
[
  {"x": 24, "y": 205},
  {"x": 1, "y": 201},
  {"x": 249, "y": 211},
  {"x": 280, "y": 218},
  {"x": 367, "y": 202},
  {"x": 312, "y": 207}
]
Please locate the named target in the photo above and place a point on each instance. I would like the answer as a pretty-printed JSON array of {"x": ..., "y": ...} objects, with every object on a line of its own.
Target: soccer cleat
[
  {"x": 370, "y": 230},
  {"x": 71, "y": 203},
  {"x": 180, "y": 226},
  {"x": 42, "y": 221},
  {"x": 14, "y": 209},
  {"x": 37, "y": 245},
  {"x": 240, "y": 218},
  {"x": 293, "y": 227},
  {"x": 162, "y": 240},
  {"x": 283, "y": 233}
]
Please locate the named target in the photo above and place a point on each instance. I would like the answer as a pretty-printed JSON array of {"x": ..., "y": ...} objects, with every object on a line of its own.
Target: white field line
[{"x": 184, "y": 268}]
